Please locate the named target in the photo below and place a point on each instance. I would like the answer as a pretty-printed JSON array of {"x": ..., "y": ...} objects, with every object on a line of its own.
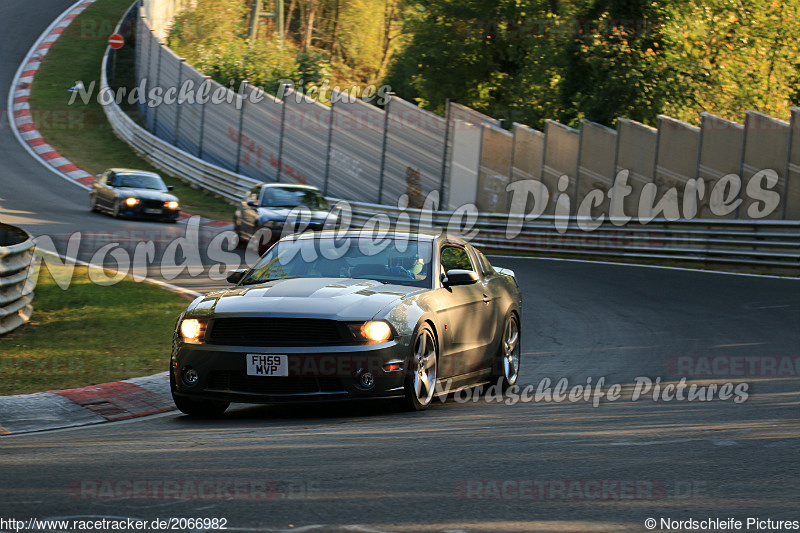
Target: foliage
[
  {"x": 528, "y": 60},
  {"x": 736, "y": 55},
  {"x": 212, "y": 37},
  {"x": 347, "y": 42}
]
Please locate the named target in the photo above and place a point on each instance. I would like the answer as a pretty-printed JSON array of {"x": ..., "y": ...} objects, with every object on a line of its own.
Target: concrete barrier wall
[
  {"x": 466, "y": 157},
  {"x": 414, "y": 152},
  {"x": 560, "y": 159},
  {"x": 304, "y": 149},
  {"x": 260, "y": 137},
  {"x": 676, "y": 161},
  {"x": 791, "y": 201},
  {"x": 356, "y": 148},
  {"x": 766, "y": 146},
  {"x": 720, "y": 155},
  {"x": 528, "y": 153},
  {"x": 495, "y": 169},
  {"x": 597, "y": 148},
  {"x": 465, "y": 114},
  {"x": 636, "y": 153}
]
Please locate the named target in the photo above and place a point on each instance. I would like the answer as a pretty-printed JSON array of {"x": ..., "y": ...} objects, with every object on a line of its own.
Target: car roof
[
  {"x": 133, "y": 171},
  {"x": 280, "y": 185}
]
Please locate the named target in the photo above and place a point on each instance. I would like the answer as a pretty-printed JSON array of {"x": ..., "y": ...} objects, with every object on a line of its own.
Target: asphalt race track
[{"x": 475, "y": 465}]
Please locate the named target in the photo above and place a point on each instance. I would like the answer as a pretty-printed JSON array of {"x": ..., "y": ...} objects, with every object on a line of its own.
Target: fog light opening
[
  {"x": 190, "y": 376},
  {"x": 367, "y": 380}
]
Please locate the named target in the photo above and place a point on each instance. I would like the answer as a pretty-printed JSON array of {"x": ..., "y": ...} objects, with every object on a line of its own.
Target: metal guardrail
[
  {"x": 760, "y": 245},
  {"x": 17, "y": 282}
]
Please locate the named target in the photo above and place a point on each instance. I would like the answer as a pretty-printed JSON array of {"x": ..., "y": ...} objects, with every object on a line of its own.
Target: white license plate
[
  {"x": 152, "y": 211},
  {"x": 267, "y": 365}
]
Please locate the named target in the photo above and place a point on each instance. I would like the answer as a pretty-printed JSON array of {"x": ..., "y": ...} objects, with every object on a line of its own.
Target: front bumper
[
  {"x": 147, "y": 211},
  {"x": 315, "y": 374}
]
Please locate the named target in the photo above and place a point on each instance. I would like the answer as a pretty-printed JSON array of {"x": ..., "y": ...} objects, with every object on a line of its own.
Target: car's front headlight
[
  {"x": 171, "y": 205},
  {"x": 372, "y": 332},
  {"x": 193, "y": 331},
  {"x": 130, "y": 202}
]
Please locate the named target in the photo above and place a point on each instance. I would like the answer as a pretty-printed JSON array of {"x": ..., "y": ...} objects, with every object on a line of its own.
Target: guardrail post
[
  {"x": 149, "y": 67},
  {"x": 442, "y": 199},
  {"x": 328, "y": 151},
  {"x": 787, "y": 170},
  {"x": 241, "y": 125},
  {"x": 207, "y": 81},
  {"x": 158, "y": 84},
  {"x": 282, "y": 92},
  {"x": 383, "y": 149},
  {"x": 178, "y": 101}
]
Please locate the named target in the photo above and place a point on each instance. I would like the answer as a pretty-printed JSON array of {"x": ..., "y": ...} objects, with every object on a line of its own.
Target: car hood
[
  {"x": 147, "y": 194},
  {"x": 333, "y": 298}
]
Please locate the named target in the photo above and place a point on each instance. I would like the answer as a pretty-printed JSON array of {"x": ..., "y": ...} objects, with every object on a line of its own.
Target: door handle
[{"x": 486, "y": 299}]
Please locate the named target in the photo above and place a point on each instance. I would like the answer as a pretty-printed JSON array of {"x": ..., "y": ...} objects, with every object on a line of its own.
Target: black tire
[
  {"x": 505, "y": 367},
  {"x": 420, "y": 385},
  {"x": 199, "y": 408},
  {"x": 115, "y": 213},
  {"x": 93, "y": 203}
]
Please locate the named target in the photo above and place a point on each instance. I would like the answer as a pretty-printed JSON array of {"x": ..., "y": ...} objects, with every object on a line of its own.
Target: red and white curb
[
  {"x": 95, "y": 404},
  {"x": 23, "y": 122}
]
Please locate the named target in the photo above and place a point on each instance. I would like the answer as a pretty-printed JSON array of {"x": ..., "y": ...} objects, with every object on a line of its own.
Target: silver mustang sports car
[{"x": 331, "y": 316}]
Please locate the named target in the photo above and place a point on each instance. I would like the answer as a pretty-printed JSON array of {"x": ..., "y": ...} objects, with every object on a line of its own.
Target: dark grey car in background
[
  {"x": 133, "y": 193},
  {"x": 323, "y": 316},
  {"x": 267, "y": 207}
]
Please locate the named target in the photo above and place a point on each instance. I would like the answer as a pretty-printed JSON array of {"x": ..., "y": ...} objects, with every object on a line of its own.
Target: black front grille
[
  {"x": 276, "y": 332},
  {"x": 152, "y": 204},
  {"x": 239, "y": 382}
]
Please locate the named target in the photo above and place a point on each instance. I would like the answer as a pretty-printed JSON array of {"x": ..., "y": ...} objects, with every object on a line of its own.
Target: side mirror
[
  {"x": 459, "y": 277},
  {"x": 251, "y": 203},
  {"x": 235, "y": 276},
  {"x": 170, "y": 187}
]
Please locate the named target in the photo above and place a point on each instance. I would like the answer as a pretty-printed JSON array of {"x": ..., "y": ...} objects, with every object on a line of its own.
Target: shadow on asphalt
[{"x": 343, "y": 410}]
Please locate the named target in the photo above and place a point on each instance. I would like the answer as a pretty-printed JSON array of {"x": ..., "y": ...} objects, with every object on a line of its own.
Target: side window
[
  {"x": 112, "y": 179},
  {"x": 455, "y": 257}
]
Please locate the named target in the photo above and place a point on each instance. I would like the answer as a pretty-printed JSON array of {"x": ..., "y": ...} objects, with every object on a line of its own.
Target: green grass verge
[
  {"x": 80, "y": 131},
  {"x": 88, "y": 334}
]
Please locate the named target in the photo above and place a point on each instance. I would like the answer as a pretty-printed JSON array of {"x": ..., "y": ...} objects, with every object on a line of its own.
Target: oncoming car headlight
[
  {"x": 171, "y": 205},
  {"x": 130, "y": 202},
  {"x": 193, "y": 330},
  {"x": 374, "y": 331}
]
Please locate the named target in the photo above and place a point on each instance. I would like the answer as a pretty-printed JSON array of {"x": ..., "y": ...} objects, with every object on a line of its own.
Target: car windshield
[
  {"x": 290, "y": 197},
  {"x": 391, "y": 260},
  {"x": 139, "y": 181}
]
